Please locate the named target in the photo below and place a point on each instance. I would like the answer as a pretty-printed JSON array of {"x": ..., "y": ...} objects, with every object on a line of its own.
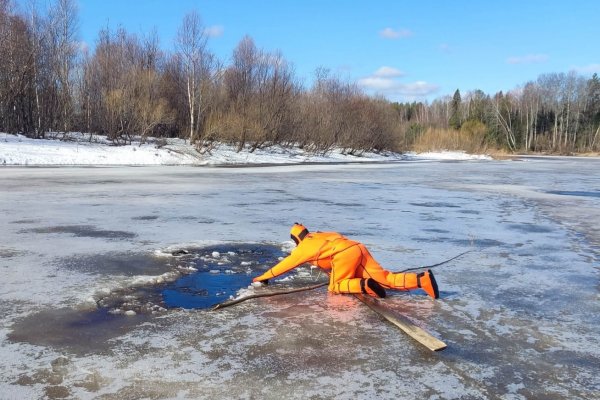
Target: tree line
[{"x": 127, "y": 86}]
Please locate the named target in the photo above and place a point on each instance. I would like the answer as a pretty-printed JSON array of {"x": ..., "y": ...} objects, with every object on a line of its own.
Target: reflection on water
[
  {"x": 203, "y": 289},
  {"x": 220, "y": 272}
]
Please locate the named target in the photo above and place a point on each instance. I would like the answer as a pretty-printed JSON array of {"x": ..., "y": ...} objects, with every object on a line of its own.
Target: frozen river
[{"x": 90, "y": 291}]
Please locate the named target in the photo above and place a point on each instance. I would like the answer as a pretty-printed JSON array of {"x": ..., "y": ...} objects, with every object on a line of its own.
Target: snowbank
[
  {"x": 447, "y": 156},
  {"x": 20, "y": 150}
]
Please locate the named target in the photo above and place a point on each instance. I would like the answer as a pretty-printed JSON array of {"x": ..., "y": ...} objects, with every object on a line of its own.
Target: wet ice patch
[
  {"x": 145, "y": 218},
  {"x": 77, "y": 331},
  {"x": 530, "y": 228},
  {"x": 118, "y": 263},
  {"x": 577, "y": 193},
  {"x": 432, "y": 204},
  {"x": 25, "y": 221},
  {"x": 88, "y": 231},
  {"x": 9, "y": 252}
]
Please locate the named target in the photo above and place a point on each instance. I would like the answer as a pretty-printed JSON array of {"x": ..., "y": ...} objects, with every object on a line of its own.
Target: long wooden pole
[
  {"x": 419, "y": 334},
  {"x": 267, "y": 294}
]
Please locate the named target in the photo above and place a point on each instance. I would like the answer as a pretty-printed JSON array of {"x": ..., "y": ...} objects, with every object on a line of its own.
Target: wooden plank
[
  {"x": 229, "y": 303},
  {"x": 419, "y": 334}
]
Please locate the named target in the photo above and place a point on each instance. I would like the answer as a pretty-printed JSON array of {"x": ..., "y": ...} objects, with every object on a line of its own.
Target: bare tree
[
  {"x": 5, "y": 13},
  {"x": 198, "y": 65},
  {"x": 15, "y": 72},
  {"x": 240, "y": 85},
  {"x": 63, "y": 35},
  {"x": 272, "y": 101},
  {"x": 504, "y": 116}
]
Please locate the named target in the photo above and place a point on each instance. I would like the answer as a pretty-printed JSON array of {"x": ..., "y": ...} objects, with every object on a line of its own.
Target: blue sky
[{"x": 404, "y": 50}]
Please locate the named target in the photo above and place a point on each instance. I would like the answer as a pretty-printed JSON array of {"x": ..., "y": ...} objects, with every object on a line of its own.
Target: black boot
[
  {"x": 372, "y": 288},
  {"x": 426, "y": 281}
]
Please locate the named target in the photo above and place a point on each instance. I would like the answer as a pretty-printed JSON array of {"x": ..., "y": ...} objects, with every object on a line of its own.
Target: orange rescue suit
[{"x": 348, "y": 262}]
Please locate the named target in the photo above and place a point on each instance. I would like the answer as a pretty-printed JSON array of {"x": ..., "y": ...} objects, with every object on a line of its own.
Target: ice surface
[{"x": 520, "y": 314}]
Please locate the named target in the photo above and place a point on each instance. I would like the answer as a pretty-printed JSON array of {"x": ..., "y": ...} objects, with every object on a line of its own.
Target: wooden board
[
  {"x": 419, "y": 334},
  {"x": 229, "y": 303}
]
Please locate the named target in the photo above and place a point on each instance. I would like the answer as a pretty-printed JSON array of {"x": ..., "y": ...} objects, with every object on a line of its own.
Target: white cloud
[
  {"x": 377, "y": 83},
  {"x": 587, "y": 69},
  {"x": 388, "y": 72},
  {"x": 214, "y": 31},
  {"x": 390, "y": 33},
  {"x": 528, "y": 59},
  {"x": 385, "y": 82},
  {"x": 418, "y": 88}
]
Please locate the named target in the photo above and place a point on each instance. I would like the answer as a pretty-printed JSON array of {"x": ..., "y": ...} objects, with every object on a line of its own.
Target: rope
[{"x": 438, "y": 264}]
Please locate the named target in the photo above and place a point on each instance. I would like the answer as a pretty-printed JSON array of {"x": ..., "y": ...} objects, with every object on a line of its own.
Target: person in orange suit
[{"x": 351, "y": 267}]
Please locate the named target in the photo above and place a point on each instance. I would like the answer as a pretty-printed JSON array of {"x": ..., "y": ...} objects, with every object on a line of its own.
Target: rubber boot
[
  {"x": 372, "y": 288},
  {"x": 426, "y": 281}
]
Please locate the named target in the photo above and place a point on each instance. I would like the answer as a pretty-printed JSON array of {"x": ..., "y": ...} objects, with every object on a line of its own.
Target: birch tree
[
  {"x": 530, "y": 102},
  {"x": 197, "y": 64},
  {"x": 503, "y": 108}
]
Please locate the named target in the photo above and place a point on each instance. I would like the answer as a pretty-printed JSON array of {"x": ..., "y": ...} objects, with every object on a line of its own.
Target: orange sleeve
[{"x": 298, "y": 257}]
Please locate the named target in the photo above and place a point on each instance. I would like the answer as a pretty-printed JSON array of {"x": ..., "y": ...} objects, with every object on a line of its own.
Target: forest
[{"x": 127, "y": 86}]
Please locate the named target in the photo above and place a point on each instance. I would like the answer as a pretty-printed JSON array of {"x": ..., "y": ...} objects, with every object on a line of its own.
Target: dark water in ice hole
[
  {"x": 203, "y": 289},
  {"x": 221, "y": 271}
]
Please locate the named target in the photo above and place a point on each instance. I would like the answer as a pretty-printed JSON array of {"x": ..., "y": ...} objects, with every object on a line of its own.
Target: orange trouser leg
[
  {"x": 370, "y": 268},
  {"x": 343, "y": 271}
]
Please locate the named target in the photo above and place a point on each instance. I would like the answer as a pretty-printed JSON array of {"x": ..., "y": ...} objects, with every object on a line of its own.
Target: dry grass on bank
[
  {"x": 470, "y": 138},
  {"x": 589, "y": 154}
]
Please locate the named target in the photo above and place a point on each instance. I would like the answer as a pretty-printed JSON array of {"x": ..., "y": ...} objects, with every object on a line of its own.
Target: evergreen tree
[{"x": 455, "y": 118}]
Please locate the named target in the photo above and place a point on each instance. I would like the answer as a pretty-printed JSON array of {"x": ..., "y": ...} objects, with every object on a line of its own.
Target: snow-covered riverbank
[{"x": 20, "y": 150}]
